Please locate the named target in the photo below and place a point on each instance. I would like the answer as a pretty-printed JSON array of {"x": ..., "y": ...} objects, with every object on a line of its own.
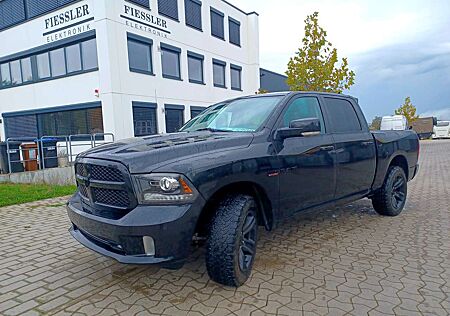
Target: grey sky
[{"x": 398, "y": 48}]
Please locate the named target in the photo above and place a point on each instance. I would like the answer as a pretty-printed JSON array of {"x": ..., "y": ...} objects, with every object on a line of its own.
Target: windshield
[
  {"x": 442, "y": 124},
  {"x": 243, "y": 115}
]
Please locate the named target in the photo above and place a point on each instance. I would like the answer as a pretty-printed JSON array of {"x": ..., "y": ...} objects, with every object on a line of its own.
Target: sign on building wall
[
  {"x": 68, "y": 23},
  {"x": 145, "y": 21}
]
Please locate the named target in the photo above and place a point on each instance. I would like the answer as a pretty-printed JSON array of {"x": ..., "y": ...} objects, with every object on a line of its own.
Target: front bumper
[{"x": 170, "y": 226}]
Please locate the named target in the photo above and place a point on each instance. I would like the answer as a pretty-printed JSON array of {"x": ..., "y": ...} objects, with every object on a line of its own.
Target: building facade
[{"x": 130, "y": 68}]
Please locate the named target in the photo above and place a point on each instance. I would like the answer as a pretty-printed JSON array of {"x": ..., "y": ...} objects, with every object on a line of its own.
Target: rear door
[
  {"x": 307, "y": 176},
  {"x": 355, "y": 146}
]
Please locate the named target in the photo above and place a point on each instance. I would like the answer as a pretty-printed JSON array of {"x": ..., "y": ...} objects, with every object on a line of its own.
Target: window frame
[
  {"x": 328, "y": 115},
  {"x": 198, "y": 2},
  {"x": 235, "y": 22},
  {"x": 147, "y": 105},
  {"x": 172, "y": 49},
  {"x": 220, "y": 14},
  {"x": 53, "y": 110},
  {"x": 175, "y": 107},
  {"x": 200, "y": 58},
  {"x": 177, "y": 19},
  {"x": 196, "y": 108},
  {"x": 34, "y": 52},
  {"x": 224, "y": 65},
  {"x": 145, "y": 41},
  {"x": 236, "y": 68}
]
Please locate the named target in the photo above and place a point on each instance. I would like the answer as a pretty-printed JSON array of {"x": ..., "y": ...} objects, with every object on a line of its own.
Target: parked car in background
[
  {"x": 394, "y": 123},
  {"x": 240, "y": 164},
  {"x": 423, "y": 126},
  {"x": 441, "y": 130}
]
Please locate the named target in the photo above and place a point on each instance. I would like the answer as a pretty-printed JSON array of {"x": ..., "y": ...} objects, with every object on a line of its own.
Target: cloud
[{"x": 442, "y": 114}]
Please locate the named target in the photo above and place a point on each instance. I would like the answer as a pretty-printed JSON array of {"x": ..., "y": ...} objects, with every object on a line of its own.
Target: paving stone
[{"x": 345, "y": 261}]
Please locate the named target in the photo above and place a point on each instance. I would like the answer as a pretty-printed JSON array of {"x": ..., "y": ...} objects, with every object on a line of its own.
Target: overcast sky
[{"x": 397, "y": 48}]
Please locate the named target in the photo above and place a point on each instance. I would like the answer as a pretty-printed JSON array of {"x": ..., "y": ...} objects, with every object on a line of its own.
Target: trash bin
[
  {"x": 48, "y": 150},
  {"x": 14, "y": 155},
  {"x": 30, "y": 156}
]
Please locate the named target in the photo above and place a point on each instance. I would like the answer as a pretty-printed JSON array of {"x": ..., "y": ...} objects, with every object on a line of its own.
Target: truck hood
[{"x": 145, "y": 154}]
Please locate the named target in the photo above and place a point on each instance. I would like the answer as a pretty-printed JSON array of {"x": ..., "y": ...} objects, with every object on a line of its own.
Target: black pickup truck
[{"x": 240, "y": 164}]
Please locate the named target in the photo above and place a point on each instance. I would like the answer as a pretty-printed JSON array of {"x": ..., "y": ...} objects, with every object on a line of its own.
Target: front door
[{"x": 307, "y": 175}]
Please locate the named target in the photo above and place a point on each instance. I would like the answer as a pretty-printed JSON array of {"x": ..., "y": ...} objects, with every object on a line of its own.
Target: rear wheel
[
  {"x": 391, "y": 198},
  {"x": 231, "y": 245}
]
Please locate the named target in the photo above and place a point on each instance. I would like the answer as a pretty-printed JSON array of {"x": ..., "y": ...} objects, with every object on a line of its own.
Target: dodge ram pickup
[{"x": 240, "y": 164}]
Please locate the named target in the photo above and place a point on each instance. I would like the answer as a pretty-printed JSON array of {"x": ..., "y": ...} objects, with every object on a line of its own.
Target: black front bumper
[{"x": 170, "y": 226}]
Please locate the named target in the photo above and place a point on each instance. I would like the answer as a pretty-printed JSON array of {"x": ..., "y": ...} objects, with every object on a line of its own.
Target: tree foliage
[
  {"x": 376, "y": 123},
  {"x": 313, "y": 68},
  {"x": 408, "y": 110}
]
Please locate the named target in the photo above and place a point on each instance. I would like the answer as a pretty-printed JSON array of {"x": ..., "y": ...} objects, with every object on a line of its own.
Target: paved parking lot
[{"x": 344, "y": 261}]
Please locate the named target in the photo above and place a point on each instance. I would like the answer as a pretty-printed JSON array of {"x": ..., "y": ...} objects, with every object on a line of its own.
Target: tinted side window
[
  {"x": 342, "y": 116},
  {"x": 302, "y": 108}
]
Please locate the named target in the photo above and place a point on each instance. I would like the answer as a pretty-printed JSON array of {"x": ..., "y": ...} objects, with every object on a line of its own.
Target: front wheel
[
  {"x": 231, "y": 245},
  {"x": 391, "y": 198}
]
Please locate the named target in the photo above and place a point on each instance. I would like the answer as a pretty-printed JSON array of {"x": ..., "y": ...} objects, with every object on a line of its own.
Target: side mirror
[{"x": 299, "y": 128}]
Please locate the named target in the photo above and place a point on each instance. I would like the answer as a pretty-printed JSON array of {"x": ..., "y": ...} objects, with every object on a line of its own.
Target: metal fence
[{"x": 29, "y": 154}]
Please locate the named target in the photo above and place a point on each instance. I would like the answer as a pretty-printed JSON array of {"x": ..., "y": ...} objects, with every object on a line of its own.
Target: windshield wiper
[{"x": 211, "y": 130}]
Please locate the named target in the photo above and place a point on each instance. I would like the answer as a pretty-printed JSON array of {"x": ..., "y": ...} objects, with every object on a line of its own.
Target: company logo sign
[
  {"x": 145, "y": 21},
  {"x": 68, "y": 23}
]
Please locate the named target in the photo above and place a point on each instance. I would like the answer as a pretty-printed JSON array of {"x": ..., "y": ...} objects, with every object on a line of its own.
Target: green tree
[
  {"x": 313, "y": 68},
  {"x": 408, "y": 110},
  {"x": 376, "y": 123},
  {"x": 262, "y": 91}
]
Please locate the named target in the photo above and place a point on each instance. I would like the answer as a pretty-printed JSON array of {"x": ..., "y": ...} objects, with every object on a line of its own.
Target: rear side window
[{"x": 342, "y": 116}]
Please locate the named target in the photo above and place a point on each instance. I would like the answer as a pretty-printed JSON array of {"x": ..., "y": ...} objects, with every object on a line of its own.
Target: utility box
[{"x": 30, "y": 156}]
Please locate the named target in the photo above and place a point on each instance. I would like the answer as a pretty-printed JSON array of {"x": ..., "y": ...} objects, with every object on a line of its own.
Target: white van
[
  {"x": 441, "y": 130},
  {"x": 394, "y": 123}
]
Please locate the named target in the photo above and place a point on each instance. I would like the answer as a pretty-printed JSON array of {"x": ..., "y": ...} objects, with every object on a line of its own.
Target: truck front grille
[
  {"x": 111, "y": 197},
  {"x": 105, "y": 188}
]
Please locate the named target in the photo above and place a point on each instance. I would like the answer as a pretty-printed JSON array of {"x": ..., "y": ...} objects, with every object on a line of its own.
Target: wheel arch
[
  {"x": 265, "y": 211},
  {"x": 402, "y": 162}
]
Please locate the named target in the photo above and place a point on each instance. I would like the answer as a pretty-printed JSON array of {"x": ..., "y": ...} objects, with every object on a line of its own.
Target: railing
[{"x": 28, "y": 153}]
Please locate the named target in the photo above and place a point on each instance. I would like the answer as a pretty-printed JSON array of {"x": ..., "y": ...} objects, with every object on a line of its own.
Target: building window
[
  {"x": 11, "y": 12},
  {"x": 5, "y": 75},
  {"x": 170, "y": 58},
  {"x": 48, "y": 64},
  {"x": 140, "y": 54},
  {"x": 236, "y": 77},
  {"x": 89, "y": 53},
  {"x": 27, "y": 73},
  {"x": 144, "y": 119},
  {"x": 43, "y": 65},
  {"x": 193, "y": 12},
  {"x": 235, "y": 31},
  {"x": 174, "y": 117},
  {"x": 38, "y": 7},
  {"x": 219, "y": 73},
  {"x": 195, "y": 67},
  {"x": 73, "y": 58},
  {"x": 55, "y": 122},
  {"x": 196, "y": 110},
  {"x": 58, "y": 62},
  {"x": 142, "y": 3},
  {"x": 168, "y": 8},
  {"x": 16, "y": 72},
  {"x": 217, "y": 28}
]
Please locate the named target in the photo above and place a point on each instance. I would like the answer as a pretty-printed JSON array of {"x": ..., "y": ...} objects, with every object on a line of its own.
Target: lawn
[{"x": 11, "y": 194}]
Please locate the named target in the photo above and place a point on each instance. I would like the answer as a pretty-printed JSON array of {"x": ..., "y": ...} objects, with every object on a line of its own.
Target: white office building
[{"x": 131, "y": 68}]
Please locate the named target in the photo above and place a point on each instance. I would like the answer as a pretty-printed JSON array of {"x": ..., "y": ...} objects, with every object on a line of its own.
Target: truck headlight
[{"x": 159, "y": 188}]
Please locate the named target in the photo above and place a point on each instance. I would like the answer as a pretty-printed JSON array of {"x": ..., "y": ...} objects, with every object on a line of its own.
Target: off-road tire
[
  {"x": 225, "y": 240},
  {"x": 386, "y": 200}
]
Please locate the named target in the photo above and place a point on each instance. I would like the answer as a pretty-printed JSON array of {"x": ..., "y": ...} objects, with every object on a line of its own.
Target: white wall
[{"x": 118, "y": 86}]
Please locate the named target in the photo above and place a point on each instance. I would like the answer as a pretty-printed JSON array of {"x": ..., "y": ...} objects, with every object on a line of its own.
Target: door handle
[
  {"x": 327, "y": 148},
  {"x": 367, "y": 143}
]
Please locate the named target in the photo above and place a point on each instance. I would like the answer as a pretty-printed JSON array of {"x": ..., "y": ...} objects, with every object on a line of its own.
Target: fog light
[{"x": 149, "y": 245}]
